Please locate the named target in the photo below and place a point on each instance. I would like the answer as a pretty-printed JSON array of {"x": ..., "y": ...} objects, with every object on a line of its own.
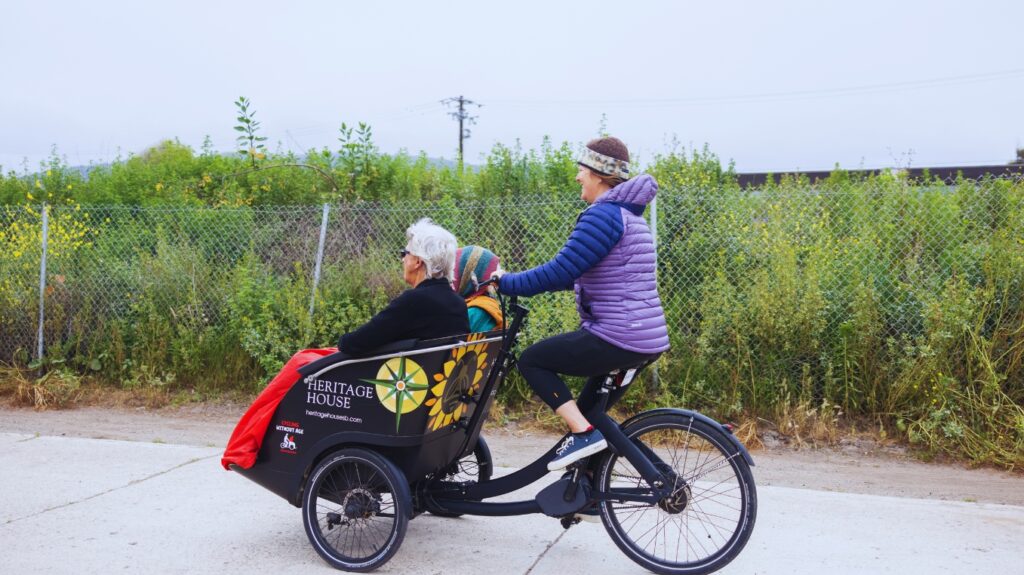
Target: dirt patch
[{"x": 856, "y": 465}]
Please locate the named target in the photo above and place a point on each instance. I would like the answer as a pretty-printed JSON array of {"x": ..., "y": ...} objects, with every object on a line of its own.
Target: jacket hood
[{"x": 639, "y": 190}]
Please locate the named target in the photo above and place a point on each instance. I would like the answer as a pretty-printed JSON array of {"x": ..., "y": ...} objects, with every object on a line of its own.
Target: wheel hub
[
  {"x": 360, "y": 504},
  {"x": 678, "y": 499}
]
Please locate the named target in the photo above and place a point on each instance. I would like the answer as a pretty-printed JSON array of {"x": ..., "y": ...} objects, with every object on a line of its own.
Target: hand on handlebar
[{"x": 494, "y": 282}]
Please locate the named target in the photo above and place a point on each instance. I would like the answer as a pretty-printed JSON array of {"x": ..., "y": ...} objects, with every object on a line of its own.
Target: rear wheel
[
  {"x": 709, "y": 516},
  {"x": 356, "y": 508}
]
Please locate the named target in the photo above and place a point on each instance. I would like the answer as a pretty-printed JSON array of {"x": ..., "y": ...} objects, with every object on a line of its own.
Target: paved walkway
[{"x": 73, "y": 505}]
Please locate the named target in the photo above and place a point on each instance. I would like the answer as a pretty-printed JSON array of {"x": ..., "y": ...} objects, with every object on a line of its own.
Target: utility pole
[{"x": 462, "y": 115}]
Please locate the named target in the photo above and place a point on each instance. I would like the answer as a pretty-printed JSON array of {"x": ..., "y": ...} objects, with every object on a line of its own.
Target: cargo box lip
[{"x": 400, "y": 354}]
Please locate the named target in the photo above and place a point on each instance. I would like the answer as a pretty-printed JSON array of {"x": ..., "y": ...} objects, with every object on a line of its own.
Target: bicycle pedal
[{"x": 569, "y": 521}]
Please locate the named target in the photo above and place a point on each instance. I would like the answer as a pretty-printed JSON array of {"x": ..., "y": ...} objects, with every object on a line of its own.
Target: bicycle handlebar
[{"x": 496, "y": 283}]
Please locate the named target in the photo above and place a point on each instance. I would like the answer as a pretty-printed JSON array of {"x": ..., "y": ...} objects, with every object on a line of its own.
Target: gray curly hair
[{"x": 434, "y": 245}]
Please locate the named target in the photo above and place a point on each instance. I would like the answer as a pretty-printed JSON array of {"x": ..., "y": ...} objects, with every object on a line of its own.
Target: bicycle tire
[
  {"x": 356, "y": 509},
  {"x": 709, "y": 516}
]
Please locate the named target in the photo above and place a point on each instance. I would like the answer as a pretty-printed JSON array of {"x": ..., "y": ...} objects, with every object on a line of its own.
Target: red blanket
[{"x": 248, "y": 435}]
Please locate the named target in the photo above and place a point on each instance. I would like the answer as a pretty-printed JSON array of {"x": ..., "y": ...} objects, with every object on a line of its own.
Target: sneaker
[{"x": 576, "y": 446}]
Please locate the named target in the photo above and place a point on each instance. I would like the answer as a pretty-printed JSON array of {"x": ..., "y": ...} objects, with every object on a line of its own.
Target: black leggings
[{"x": 577, "y": 353}]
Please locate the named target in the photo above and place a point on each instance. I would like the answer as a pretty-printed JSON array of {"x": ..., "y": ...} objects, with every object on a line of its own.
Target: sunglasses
[{"x": 403, "y": 253}]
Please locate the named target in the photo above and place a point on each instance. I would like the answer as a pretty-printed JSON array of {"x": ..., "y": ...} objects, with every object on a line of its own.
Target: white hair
[{"x": 435, "y": 246}]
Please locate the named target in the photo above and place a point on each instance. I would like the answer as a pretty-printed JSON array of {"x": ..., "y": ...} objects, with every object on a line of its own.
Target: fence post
[
  {"x": 655, "y": 384},
  {"x": 42, "y": 280},
  {"x": 319, "y": 257}
]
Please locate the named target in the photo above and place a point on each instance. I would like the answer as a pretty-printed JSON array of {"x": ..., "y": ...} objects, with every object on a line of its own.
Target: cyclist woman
[{"x": 609, "y": 261}]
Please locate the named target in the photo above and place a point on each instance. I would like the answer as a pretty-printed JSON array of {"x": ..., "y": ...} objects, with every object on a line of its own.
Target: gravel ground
[{"x": 856, "y": 466}]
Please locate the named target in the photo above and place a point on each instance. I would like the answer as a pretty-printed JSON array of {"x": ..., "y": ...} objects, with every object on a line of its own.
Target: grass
[
  {"x": 55, "y": 389},
  {"x": 794, "y": 309}
]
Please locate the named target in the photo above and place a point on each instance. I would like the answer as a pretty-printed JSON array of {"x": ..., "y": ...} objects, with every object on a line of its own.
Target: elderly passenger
[
  {"x": 431, "y": 309},
  {"x": 473, "y": 266}
]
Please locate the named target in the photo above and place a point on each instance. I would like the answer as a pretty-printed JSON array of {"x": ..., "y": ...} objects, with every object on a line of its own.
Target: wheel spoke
[
  {"x": 352, "y": 511},
  {"x": 698, "y": 525}
]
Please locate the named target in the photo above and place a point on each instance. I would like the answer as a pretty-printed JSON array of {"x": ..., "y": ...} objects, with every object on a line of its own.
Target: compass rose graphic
[{"x": 401, "y": 386}]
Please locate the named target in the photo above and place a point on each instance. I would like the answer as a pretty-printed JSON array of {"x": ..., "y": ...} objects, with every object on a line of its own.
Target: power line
[
  {"x": 412, "y": 112},
  {"x": 778, "y": 96}
]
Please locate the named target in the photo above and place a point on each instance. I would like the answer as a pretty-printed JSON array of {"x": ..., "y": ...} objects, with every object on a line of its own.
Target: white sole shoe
[{"x": 596, "y": 447}]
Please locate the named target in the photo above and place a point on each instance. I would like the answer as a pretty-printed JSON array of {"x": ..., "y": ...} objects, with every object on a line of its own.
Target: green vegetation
[
  {"x": 882, "y": 299},
  {"x": 250, "y": 143},
  {"x": 893, "y": 299}
]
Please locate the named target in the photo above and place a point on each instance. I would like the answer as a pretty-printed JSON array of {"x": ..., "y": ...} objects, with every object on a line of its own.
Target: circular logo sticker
[{"x": 401, "y": 386}]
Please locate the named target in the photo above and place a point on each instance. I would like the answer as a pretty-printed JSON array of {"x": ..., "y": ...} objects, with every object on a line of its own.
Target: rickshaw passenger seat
[{"x": 393, "y": 347}]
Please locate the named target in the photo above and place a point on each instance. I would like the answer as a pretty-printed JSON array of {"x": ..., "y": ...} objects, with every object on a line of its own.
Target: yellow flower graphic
[
  {"x": 459, "y": 379},
  {"x": 401, "y": 386}
]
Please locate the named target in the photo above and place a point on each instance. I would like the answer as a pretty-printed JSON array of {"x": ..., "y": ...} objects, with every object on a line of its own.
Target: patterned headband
[{"x": 603, "y": 164}]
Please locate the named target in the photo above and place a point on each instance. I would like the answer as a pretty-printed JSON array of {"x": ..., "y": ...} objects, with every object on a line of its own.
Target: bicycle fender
[{"x": 699, "y": 417}]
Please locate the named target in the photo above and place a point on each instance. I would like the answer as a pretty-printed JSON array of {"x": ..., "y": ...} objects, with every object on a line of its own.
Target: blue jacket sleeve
[{"x": 597, "y": 231}]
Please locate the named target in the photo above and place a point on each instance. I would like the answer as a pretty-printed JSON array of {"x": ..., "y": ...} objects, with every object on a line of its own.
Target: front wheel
[
  {"x": 709, "y": 516},
  {"x": 476, "y": 467},
  {"x": 356, "y": 508}
]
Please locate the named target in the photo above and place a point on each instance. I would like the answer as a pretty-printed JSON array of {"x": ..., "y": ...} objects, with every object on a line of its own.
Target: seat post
[
  {"x": 607, "y": 386},
  {"x": 609, "y": 381},
  {"x": 618, "y": 440}
]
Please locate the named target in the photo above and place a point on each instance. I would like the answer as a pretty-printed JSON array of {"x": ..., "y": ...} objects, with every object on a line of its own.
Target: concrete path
[{"x": 72, "y": 505}]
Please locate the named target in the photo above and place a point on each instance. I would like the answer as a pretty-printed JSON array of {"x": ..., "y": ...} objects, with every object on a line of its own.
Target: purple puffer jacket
[{"x": 617, "y": 298}]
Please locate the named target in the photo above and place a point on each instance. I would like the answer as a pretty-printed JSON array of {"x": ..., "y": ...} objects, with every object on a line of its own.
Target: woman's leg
[
  {"x": 578, "y": 353},
  {"x": 573, "y": 417},
  {"x": 541, "y": 363}
]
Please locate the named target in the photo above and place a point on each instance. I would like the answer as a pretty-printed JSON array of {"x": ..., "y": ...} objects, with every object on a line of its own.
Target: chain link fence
[
  {"x": 523, "y": 234},
  {"x": 799, "y": 283},
  {"x": 20, "y": 261}
]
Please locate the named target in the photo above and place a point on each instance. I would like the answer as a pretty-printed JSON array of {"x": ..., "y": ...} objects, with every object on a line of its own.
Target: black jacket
[{"x": 432, "y": 309}]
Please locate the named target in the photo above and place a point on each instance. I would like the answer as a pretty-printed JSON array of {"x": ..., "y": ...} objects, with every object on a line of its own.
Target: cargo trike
[{"x": 365, "y": 444}]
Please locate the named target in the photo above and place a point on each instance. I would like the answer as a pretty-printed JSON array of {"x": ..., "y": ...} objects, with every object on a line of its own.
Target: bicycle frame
[
  {"x": 379, "y": 439},
  {"x": 466, "y": 498}
]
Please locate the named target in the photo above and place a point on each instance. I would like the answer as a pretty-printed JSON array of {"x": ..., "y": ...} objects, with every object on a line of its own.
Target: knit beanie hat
[
  {"x": 473, "y": 264},
  {"x": 607, "y": 156}
]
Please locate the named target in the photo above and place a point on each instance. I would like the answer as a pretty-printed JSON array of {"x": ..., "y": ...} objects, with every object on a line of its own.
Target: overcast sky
[{"x": 770, "y": 85}]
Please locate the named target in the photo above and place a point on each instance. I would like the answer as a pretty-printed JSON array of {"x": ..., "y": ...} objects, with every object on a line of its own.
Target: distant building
[{"x": 946, "y": 173}]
